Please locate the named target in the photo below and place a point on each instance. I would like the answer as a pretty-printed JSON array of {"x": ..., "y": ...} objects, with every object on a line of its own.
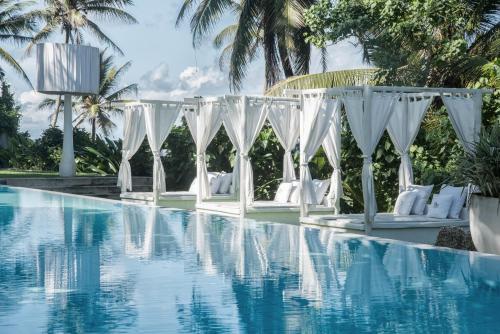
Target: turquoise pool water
[{"x": 70, "y": 264}]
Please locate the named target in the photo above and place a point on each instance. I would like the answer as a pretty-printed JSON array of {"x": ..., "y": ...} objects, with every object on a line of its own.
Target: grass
[{"x": 17, "y": 173}]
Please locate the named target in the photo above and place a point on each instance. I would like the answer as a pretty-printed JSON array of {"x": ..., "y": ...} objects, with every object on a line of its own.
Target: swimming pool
[{"x": 74, "y": 264}]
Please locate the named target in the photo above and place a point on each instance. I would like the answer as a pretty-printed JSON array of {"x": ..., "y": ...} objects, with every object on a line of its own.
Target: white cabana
[
  {"x": 243, "y": 121},
  {"x": 204, "y": 122},
  {"x": 403, "y": 127},
  {"x": 285, "y": 119},
  {"x": 134, "y": 131},
  {"x": 368, "y": 113},
  {"x": 317, "y": 113}
]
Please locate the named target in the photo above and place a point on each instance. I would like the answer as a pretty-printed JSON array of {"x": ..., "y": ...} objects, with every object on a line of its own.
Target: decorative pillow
[
  {"x": 423, "y": 194},
  {"x": 440, "y": 206},
  {"x": 320, "y": 187},
  {"x": 193, "y": 188},
  {"x": 225, "y": 183},
  {"x": 459, "y": 195},
  {"x": 283, "y": 192},
  {"x": 295, "y": 194},
  {"x": 215, "y": 180},
  {"x": 404, "y": 203}
]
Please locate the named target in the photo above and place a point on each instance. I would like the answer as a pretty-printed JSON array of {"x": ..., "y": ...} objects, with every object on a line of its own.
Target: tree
[
  {"x": 275, "y": 27},
  {"x": 417, "y": 42},
  {"x": 74, "y": 18},
  {"x": 9, "y": 111},
  {"x": 15, "y": 26}
]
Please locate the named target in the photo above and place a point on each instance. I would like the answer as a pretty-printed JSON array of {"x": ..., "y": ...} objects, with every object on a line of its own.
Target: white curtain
[
  {"x": 285, "y": 120},
  {"x": 332, "y": 147},
  {"x": 317, "y": 114},
  {"x": 244, "y": 119},
  {"x": 367, "y": 125},
  {"x": 160, "y": 119},
  {"x": 403, "y": 128},
  {"x": 464, "y": 111},
  {"x": 134, "y": 130},
  {"x": 231, "y": 133},
  {"x": 204, "y": 127}
]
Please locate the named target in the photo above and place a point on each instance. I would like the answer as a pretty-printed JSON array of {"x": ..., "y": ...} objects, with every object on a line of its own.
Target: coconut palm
[
  {"x": 99, "y": 109},
  {"x": 15, "y": 26},
  {"x": 273, "y": 27},
  {"x": 74, "y": 18}
]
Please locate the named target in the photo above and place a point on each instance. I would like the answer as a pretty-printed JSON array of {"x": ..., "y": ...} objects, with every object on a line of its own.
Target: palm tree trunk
[
  {"x": 285, "y": 59},
  {"x": 55, "y": 115},
  {"x": 93, "y": 129}
]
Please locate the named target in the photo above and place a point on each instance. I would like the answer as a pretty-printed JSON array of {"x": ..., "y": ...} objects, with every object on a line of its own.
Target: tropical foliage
[{"x": 273, "y": 28}]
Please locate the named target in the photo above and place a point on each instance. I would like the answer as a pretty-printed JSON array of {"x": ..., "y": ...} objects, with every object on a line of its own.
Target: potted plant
[{"x": 481, "y": 168}]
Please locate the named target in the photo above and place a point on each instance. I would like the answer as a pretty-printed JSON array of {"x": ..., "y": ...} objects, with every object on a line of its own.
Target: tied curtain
[
  {"x": 464, "y": 111},
  {"x": 317, "y": 115},
  {"x": 243, "y": 119},
  {"x": 134, "y": 131},
  {"x": 160, "y": 119},
  {"x": 403, "y": 127},
  {"x": 285, "y": 120},
  {"x": 368, "y": 116},
  {"x": 204, "y": 125},
  {"x": 332, "y": 147}
]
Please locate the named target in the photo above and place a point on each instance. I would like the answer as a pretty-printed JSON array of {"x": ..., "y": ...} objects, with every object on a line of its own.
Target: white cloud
[{"x": 33, "y": 120}]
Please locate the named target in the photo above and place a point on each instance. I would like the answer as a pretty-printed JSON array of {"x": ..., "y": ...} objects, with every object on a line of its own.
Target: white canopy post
[
  {"x": 368, "y": 114},
  {"x": 160, "y": 118},
  {"x": 134, "y": 130},
  {"x": 332, "y": 147},
  {"x": 316, "y": 118},
  {"x": 204, "y": 126},
  {"x": 244, "y": 118},
  {"x": 464, "y": 111},
  {"x": 285, "y": 119},
  {"x": 403, "y": 127}
]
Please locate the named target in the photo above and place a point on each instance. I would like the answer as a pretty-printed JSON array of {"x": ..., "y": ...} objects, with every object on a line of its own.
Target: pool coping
[{"x": 349, "y": 235}]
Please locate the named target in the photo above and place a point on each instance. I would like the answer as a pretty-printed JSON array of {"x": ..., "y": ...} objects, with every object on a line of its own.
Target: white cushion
[
  {"x": 423, "y": 194},
  {"x": 440, "y": 206},
  {"x": 459, "y": 195},
  {"x": 283, "y": 192},
  {"x": 225, "y": 183},
  {"x": 405, "y": 202},
  {"x": 215, "y": 180},
  {"x": 194, "y": 186},
  {"x": 295, "y": 194},
  {"x": 320, "y": 187}
]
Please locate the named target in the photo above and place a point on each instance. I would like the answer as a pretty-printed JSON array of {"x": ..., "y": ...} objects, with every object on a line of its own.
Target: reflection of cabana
[
  {"x": 155, "y": 120},
  {"x": 370, "y": 110},
  {"x": 243, "y": 120}
]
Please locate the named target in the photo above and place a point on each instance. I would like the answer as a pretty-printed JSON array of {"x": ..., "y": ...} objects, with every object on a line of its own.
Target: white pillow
[
  {"x": 295, "y": 194},
  {"x": 459, "y": 195},
  {"x": 440, "y": 206},
  {"x": 320, "y": 187},
  {"x": 225, "y": 184},
  {"x": 283, "y": 192},
  {"x": 405, "y": 202},
  {"x": 423, "y": 194},
  {"x": 214, "y": 179},
  {"x": 193, "y": 188}
]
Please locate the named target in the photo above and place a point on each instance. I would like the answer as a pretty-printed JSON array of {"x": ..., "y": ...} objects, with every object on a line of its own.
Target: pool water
[{"x": 76, "y": 265}]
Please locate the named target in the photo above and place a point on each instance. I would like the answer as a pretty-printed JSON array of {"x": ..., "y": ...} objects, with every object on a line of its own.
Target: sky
[{"x": 164, "y": 63}]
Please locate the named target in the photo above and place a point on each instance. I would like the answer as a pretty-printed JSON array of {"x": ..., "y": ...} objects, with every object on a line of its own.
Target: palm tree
[
  {"x": 14, "y": 24},
  {"x": 74, "y": 18},
  {"x": 98, "y": 109},
  {"x": 275, "y": 27}
]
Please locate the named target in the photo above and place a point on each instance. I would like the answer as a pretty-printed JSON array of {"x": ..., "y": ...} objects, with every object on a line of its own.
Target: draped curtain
[
  {"x": 368, "y": 115},
  {"x": 204, "y": 126},
  {"x": 403, "y": 128},
  {"x": 134, "y": 130},
  {"x": 332, "y": 147},
  {"x": 243, "y": 119},
  {"x": 285, "y": 120},
  {"x": 464, "y": 111},
  {"x": 316, "y": 117},
  {"x": 160, "y": 119}
]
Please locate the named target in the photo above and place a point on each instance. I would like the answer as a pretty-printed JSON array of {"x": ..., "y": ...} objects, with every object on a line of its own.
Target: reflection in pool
[{"x": 70, "y": 264}]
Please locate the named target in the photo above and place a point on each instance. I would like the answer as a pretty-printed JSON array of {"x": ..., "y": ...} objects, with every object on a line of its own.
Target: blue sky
[{"x": 164, "y": 63}]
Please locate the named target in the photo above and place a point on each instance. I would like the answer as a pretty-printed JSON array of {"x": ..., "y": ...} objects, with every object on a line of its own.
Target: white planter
[{"x": 485, "y": 224}]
